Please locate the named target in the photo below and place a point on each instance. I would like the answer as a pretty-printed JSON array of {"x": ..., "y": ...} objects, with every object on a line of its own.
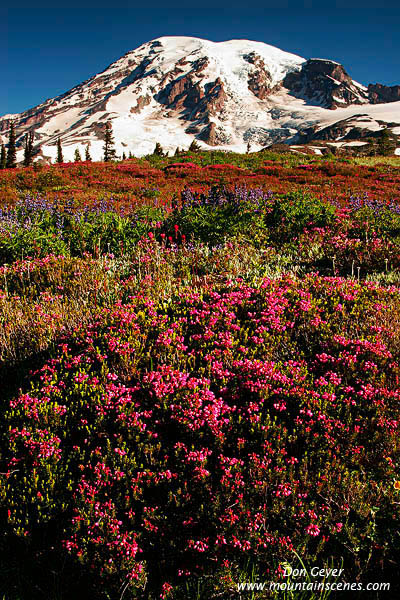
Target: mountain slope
[{"x": 224, "y": 94}]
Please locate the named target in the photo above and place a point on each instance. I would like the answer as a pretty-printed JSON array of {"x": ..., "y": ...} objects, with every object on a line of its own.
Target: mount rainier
[{"x": 223, "y": 94}]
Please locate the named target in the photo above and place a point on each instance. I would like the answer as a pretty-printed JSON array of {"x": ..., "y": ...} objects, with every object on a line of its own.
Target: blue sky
[{"x": 48, "y": 47}]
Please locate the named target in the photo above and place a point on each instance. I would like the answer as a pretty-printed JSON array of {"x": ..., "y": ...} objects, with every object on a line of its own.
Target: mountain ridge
[{"x": 174, "y": 89}]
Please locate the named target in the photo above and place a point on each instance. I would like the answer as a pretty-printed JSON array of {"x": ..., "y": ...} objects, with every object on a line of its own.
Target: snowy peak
[{"x": 174, "y": 89}]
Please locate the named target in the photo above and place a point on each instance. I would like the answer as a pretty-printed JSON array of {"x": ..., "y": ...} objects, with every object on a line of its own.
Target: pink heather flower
[
  {"x": 166, "y": 588},
  {"x": 198, "y": 545},
  {"x": 119, "y": 451},
  {"x": 313, "y": 530},
  {"x": 305, "y": 305}
]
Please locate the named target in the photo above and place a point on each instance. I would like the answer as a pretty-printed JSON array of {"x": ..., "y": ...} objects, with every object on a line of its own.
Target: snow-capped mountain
[{"x": 223, "y": 94}]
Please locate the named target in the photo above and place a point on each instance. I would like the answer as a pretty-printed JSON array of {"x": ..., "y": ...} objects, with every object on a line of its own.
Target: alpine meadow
[{"x": 200, "y": 331}]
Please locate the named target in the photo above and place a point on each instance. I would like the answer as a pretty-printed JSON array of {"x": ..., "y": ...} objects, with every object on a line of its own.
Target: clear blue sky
[{"x": 48, "y": 47}]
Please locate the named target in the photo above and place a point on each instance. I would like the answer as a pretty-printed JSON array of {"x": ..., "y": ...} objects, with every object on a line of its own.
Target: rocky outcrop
[
  {"x": 141, "y": 102},
  {"x": 187, "y": 95},
  {"x": 99, "y": 130},
  {"x": 209, "y": 135},
  {"x": 5, "y": 125},
  {"x": 357, "y": 127},
  {"x": 214, "y": 135},
  {"x": 325, "y": 83},
  {"x": 212, "y": 102},
  {"x": 380, "y": 94},
  {"x": 171, "y": 75},
  {"x": 200, "y": 64},
  {"x": 176, "y": 92},
  {"x": 259, "y": 80},
  {"x": 176, "y": 86}
]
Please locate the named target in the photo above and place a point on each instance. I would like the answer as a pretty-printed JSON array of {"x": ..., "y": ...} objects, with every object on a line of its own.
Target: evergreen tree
[
  {"x": 109, "y": 150},
  {"x": 386, "y": 145},
  {"x": 88, "y": 158},
  {"x": 60, "y": 158},
  {"x": 372, "y": 146},
  {"x": 177, "y": 151},
  {"x": 77, "y": 155},
  {"x": 123, "y": 156},
  {"x": 28, "y": 149},
  {"x": 130, "y": 155},
  {"x": 248, "y": 147},
  {"x": 194, "y": 147},
  {"x": 158, "y": 151},
  {"x": 11, "y": 161},
  {"x": 3, "y": 157}
]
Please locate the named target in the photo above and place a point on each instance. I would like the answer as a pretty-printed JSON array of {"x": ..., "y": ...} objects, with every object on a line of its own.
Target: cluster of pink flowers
[{"x": 259, "y": 419}]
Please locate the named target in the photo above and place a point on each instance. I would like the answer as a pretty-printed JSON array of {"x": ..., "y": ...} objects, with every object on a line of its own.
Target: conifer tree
[
  {"x": 130, "y": 155},
  {"x": 109, "y": 150},
  {"x": 88, "y": 158},
  {"x": 372, "y": 146},
  {"x": 194, "y": 147},
  {"x": 177, "y": 151},
  {"x": 386, "y": 144},
  {"x": 3, "y": 157},
  {"x": 248, "y": 147},
  {"x": 60, "y": 158},
  {"x": 123, "y": 156},
  {"x": 11, "y": 161},
  {"x": 77, "y": 155},
  {"x": 28, "y": 149},
  {"x": 158, "y": 151}
]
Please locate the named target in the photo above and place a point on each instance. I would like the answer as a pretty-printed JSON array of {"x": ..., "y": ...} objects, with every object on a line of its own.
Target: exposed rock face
[
  {"x": 357, "y": 127},
  {"x": 200, "y": 64},
  {"x": 260, "y": 80},
  {"x": 213, "y": 101},
  {"x": 209, "y": 135},
  {"x": 99, "y": 129},
  {"x": 5, "y": 125},
  {"x": 326, "y": 83},
  {"x": 186, "y": 93},
  {"x": 176, "y": 92},
  {"x": 379, "y": 94},
  {"x": 142, "y": 101},
  {"x": 214, "y": 135}
]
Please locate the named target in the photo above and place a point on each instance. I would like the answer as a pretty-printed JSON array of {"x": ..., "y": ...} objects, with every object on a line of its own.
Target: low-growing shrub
[{"x": 183, "y": 437}]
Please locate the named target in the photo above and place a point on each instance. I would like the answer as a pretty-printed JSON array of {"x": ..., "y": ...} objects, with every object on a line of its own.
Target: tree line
[
  {"x": 384, "y": 145},
  {"x": 8, "y": 156}
]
